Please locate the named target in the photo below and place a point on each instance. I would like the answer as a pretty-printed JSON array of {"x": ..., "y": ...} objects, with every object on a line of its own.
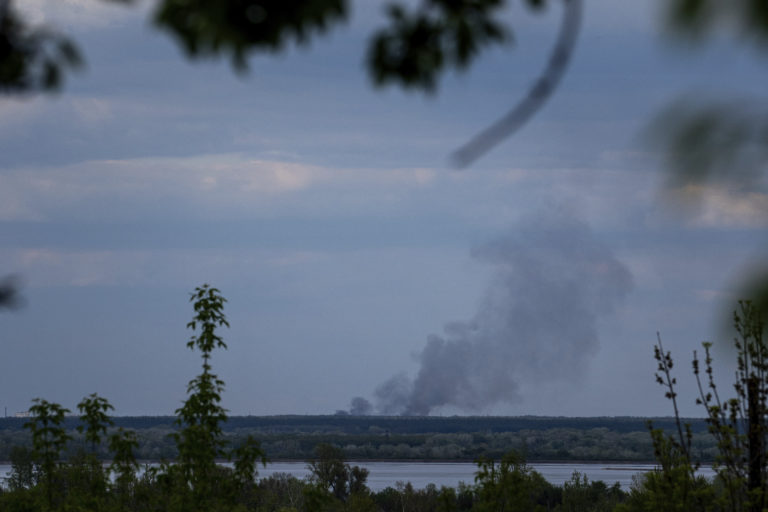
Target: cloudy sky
[{"x": 357, "y": 261}]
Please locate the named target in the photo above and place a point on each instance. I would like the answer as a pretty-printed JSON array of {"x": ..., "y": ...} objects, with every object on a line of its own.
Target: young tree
[
  {"x": 579, "y": 494},
  {"x": 329, "y": 471},
  {"x": 124, "y": 466},
  {"x": 49, "y": 437},
  {"x": 510, "y": 486},
  {"x": 675, "y": 484},
  {"x": 84, "y": 480},
  {"x": 336, "y": 484},
  {"x": 200, "y": 441},
  {"x": 23, "y": 474},
  {"x": 95, "y": 421},
  {"x": 247, "y": 456},
  {"x": 738, "y": 425}
]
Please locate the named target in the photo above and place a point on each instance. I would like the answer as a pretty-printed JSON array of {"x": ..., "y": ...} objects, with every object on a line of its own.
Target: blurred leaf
[
  {"x": 69, "y": 53},
  {"x": 693, "y": 15},
  {"x": 238, "y": 27},
  {"x": 421, "y": 43},
  {"x": 725, "y": 143},
  {"x": 751, "y": 288},
  {"x": 696, "y": 17},
  {"x": 537, "y": 4},
  {"x": 32, "y": 59},
  {"x": 10, "y": 297}
]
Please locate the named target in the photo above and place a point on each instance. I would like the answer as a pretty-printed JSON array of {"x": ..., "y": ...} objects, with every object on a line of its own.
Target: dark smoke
[
  {"x": 359, "y": 406},
  {"x": 552, "y": 279}
]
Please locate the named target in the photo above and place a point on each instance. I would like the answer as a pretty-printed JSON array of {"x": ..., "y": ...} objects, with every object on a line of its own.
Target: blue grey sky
[{"x": 328, "y": 214}]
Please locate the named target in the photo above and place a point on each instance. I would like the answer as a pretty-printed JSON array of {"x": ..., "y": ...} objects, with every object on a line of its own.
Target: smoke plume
[
  {"x": 359, "y": 406},
  {"x": 551, "y": 281}
]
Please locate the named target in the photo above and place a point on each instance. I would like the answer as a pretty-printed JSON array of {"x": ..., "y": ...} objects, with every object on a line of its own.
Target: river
[{"x": 449, "y": 474}]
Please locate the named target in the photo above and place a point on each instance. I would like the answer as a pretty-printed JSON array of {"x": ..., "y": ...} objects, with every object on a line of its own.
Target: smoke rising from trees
[
  {"x": 552, "y": 279},
  {"x": 359, "y": 406}
]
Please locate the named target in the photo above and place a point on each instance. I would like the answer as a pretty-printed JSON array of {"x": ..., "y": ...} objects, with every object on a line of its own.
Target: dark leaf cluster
[
  {"x": 238, "y": 28},
  {"x": 32, "y": 58},
  {"x": 420, "y": 43},
  {"x": 697, "y": 17}
]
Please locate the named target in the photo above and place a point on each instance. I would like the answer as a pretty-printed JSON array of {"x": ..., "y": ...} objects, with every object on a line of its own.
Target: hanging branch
[{"x": 536, "y": 97}]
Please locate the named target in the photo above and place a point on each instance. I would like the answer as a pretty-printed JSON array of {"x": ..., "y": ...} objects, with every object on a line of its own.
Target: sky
[{"x": 356, "y": 260}]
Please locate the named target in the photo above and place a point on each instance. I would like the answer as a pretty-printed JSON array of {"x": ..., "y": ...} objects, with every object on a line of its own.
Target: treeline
[
  {"x": 347, "y": 424},
  {"x": 407, "y": 438},
  {"x": 554, "y": 444}
]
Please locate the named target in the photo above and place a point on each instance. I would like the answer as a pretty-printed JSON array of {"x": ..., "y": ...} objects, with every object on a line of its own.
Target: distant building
[{"x": 22, "y": 414}]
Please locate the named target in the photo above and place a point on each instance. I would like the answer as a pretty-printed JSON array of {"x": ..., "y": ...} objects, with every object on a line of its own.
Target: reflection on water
[{"x": 449, "y": 474}]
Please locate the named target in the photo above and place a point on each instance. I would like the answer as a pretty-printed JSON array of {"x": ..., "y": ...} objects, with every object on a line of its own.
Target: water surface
[{"x": 449, "y": 474}]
